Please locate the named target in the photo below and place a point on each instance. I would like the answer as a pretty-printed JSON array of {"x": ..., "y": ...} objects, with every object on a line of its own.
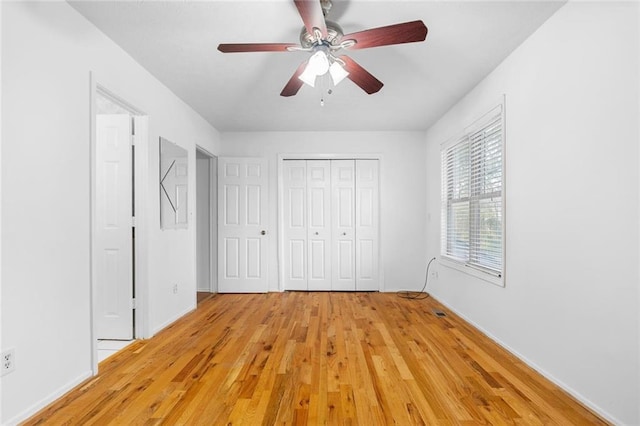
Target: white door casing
[
  {"x": 213, "y": 197},
  {"x": 367, "y": 225},
  {"x": 319, "y": 224},
  {"x": 242, "y": 225},
  {"x": 113, "y": 228}
]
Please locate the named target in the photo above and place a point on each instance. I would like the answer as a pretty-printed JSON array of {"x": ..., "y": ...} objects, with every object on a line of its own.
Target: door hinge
[
  {"x": 133, "y": 304},
  {"x": 133, "y": 221}
]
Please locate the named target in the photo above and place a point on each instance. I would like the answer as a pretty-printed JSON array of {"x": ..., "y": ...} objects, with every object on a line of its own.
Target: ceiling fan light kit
[
  {"x": 323, "y": 39},
  {"x": 321, "y": 63}
]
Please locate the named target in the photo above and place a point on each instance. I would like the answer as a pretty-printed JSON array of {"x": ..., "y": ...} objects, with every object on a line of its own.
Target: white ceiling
[{"x": 177, "y": 41}]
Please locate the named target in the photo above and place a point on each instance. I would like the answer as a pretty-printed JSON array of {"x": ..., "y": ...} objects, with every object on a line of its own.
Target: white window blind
[{"x": 472, "y": 196}]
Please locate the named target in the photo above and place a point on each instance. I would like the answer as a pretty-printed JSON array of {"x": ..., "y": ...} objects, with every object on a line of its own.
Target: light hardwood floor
[{"x": 316, "y": 358}]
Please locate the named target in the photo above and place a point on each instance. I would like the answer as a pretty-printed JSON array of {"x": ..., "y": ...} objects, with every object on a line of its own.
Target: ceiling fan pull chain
[{"x": 322, "y": 81}]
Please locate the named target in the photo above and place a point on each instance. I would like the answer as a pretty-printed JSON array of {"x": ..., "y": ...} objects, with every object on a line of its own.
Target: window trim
[{"x": 485, "y": 274}]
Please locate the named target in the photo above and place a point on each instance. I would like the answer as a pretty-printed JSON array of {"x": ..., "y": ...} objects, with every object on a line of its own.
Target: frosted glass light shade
[
  {"x": 308, "y": 76},
  {"x": 338, "y": 73},
  {"x": 318, "y": 64}
]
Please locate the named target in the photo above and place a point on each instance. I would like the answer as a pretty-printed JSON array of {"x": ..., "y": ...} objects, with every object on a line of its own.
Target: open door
[{"x": 113, "y": 227}]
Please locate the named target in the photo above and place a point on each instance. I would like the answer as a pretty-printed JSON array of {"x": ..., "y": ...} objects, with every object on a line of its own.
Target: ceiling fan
[{"x": 325, "y": 40}]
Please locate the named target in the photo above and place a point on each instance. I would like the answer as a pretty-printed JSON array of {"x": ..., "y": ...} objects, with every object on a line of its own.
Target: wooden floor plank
[{"x": 316, "y": 358}]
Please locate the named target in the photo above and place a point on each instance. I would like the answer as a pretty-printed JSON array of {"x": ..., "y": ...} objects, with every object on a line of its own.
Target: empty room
[{"x": 320, "y": 212}]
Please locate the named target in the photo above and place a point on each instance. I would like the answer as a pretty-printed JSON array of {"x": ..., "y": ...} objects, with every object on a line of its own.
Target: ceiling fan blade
[
  {"x": 294, "y": 84},
  {"x": 360, "y": 76},
  {"x": 255, "y": 47},
  {"x": 407, "y": 32},
  {"x": 312, "y": 16}
]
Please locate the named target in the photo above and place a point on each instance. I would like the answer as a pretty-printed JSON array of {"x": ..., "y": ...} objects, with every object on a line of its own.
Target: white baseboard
[
  {"x": 577, "y": 395},
  {"x": 24, "y": 415},
  {"x": 171, "y": 320}
]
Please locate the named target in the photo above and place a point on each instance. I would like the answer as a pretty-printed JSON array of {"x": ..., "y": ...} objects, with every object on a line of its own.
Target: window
[{"x": 472, "y": 196}]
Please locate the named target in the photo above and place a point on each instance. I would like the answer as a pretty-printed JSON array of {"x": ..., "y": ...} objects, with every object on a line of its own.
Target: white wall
[
  {"x": 570, "y": 305},
  {"x": 402, "y": 185},
  {"x": 48, "y": 51}
]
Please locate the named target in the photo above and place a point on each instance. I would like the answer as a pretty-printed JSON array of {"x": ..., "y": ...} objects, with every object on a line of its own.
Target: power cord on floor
[{"x": 418, "y": 295}]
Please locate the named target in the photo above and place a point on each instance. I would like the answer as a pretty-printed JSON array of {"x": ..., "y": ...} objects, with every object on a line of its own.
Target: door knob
[
  {"x": 263, "y": 232},
  {"x": 316, "y": 233},
  {"x": 344, "y": 233}
]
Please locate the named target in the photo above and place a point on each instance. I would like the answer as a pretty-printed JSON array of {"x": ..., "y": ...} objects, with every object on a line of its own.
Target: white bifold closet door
[{"x": 330, "y": 218}]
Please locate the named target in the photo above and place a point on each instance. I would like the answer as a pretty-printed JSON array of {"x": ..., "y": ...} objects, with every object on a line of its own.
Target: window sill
[{"x": 474, "y": 272}]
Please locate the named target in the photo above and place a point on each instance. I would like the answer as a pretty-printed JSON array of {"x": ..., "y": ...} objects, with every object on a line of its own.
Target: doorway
[
  {"x": 206, "y": 222},
  {"x": 118, "y": 194}
]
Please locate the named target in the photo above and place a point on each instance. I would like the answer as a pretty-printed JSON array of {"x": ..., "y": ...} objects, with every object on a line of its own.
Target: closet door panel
[
  {"x": 297, "y": 263},
  {"x": 343, "y": 228},
  {"x": 319, "y": 219},
  {"x": 295, "y": 224},
  {"x": 367, "y": 225}
]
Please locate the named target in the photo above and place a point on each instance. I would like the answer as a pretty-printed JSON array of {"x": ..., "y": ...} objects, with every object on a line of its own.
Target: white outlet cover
[{"x": 8, "y": 359}]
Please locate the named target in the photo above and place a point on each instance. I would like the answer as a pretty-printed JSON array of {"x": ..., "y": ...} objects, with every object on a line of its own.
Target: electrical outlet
[
  {"x": 8, "y": 359},
  {"x": 175, "y": 289}
]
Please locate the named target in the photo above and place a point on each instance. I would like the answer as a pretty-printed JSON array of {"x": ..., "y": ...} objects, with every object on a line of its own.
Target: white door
[
  {"x": 367, "y": 225},
  {"x": 242, "y": 225},
  {"x": 319, "y": 224},
  {"x": 343, "y": 226},
  {"x": 113, "y": 236},
  {"x": 295, "y": 224}
]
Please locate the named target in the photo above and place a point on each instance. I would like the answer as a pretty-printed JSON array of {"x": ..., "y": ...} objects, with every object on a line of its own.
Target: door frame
[
  {"x": 332, "y": 156},
  {"x": 140, "y": 164},
  {"x": 213, "y": 221}
]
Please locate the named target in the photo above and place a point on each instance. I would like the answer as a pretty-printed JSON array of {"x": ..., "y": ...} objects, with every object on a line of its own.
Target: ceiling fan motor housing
[{"x": 334, "y": 35}]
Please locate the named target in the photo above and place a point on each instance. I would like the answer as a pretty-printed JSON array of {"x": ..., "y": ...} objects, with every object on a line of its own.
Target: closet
[{"x": 330, "y": 220}]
